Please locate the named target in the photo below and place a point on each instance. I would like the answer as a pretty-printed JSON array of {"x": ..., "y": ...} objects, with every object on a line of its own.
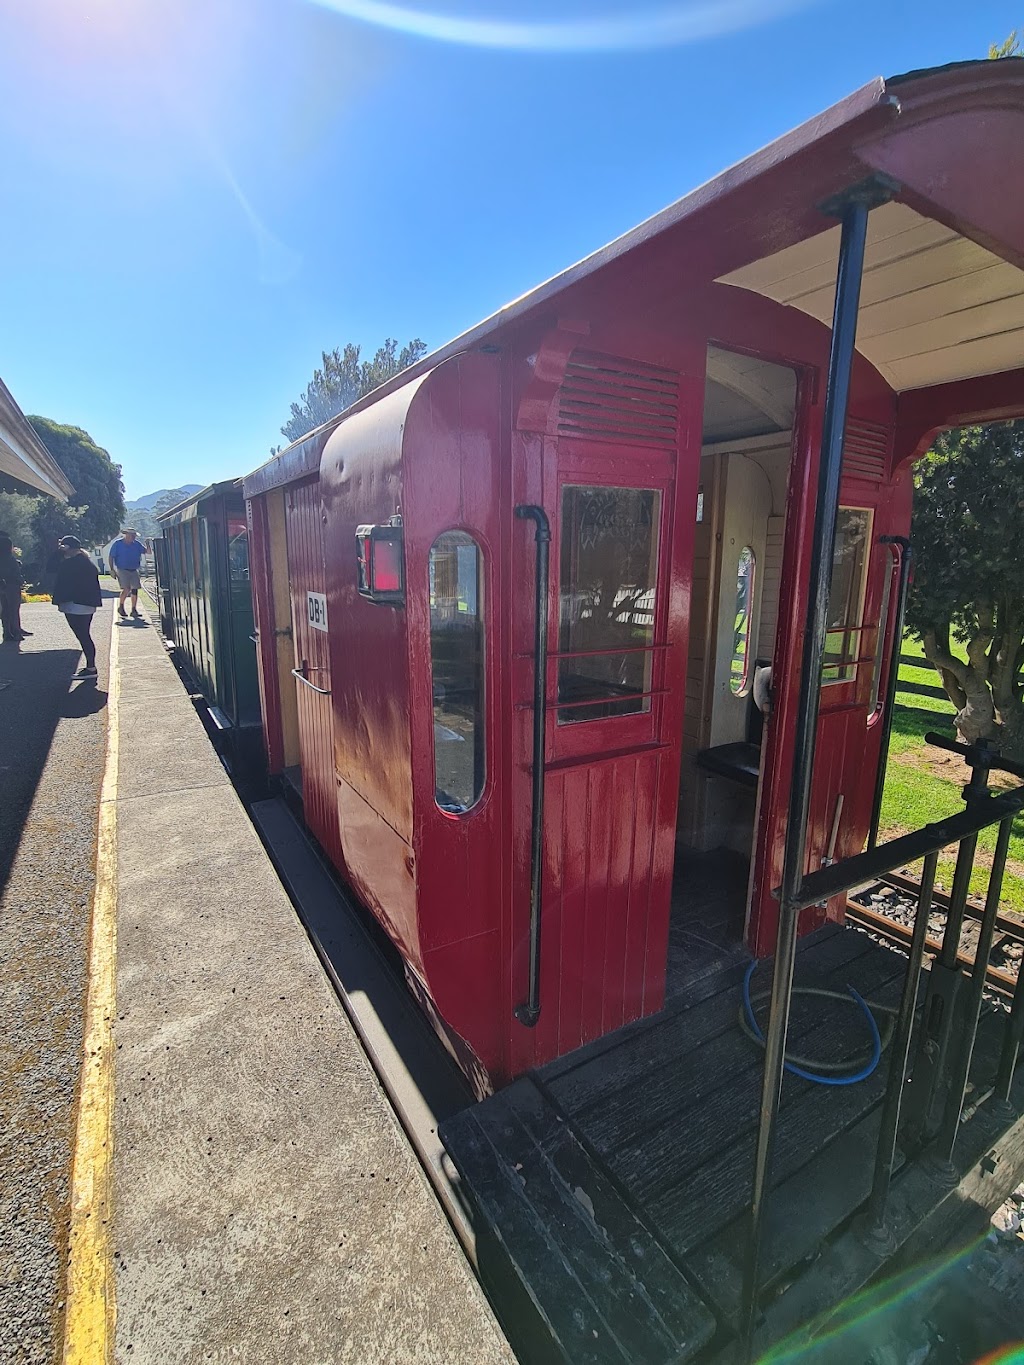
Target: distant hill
[
  {"x": 147, "y": 503},
  {"x": 143, "y": 512}
]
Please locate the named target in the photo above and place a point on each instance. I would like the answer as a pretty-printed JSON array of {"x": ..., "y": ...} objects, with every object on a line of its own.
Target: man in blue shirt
[{"x": 125, "y": 558}]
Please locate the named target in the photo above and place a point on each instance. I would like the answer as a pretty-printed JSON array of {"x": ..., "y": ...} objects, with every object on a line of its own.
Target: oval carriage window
[
  {"x": 739, "y": 671},
  {"x": 457, "y": 670}
]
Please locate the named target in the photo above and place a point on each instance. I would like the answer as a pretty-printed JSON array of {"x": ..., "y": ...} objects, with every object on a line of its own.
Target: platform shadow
[{"x": 34, "y": 697}]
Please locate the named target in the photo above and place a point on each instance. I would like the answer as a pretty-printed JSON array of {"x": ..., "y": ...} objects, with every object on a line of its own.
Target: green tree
[
  {"x": 968, "y": 535},
  {"x": 143, "y": 521},
  {"x": 17, "y": 511},
  {"x": 98, "y": 509},
  {"x": 342, "y": 378}
]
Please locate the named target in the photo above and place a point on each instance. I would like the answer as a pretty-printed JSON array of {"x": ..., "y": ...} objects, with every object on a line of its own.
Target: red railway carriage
[{"x": 547, "y": 590}]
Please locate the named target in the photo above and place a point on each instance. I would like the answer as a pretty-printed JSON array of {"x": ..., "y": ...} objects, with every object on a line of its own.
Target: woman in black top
[
  {"x": 76, "y": 592},
  {"x": 10, "y": 593}
]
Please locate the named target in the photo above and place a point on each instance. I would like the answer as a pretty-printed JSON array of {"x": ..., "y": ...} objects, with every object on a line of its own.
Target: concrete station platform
[{"x": 242, "y": 1189}]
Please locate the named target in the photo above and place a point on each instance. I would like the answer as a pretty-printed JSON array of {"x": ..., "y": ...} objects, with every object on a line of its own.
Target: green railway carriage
[{"x": 202, "y": 562}]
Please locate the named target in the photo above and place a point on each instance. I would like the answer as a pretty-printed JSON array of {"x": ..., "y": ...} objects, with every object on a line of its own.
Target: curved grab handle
[
  {"x": 300, "y": 673},
  {"x": 529, "y": 1012}
]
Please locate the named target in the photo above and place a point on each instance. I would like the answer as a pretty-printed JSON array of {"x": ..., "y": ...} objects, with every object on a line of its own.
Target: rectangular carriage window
[
  {"x": 608, "y": 577},
  {"x": 457, "y": 670},
  {"x": 238, "y": 550},
  {"x": 846, "y": 595}
]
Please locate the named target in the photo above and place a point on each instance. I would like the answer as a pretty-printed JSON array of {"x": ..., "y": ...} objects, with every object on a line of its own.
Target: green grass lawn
[{"x": 915, "y": 793}]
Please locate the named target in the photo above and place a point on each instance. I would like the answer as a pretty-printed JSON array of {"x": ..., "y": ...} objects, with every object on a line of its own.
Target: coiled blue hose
[{"x": 850, "y": 1078}]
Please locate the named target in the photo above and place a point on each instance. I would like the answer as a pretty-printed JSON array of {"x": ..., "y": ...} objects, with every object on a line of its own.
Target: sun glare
[{"x": 626, "y": 29}]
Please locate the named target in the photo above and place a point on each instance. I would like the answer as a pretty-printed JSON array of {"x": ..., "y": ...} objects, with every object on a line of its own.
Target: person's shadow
[{"x": 84, "y": 700}]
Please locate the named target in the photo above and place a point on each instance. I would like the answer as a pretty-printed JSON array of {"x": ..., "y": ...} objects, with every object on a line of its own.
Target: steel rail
[
  {"x": 1013, "y": 928},
  {"x": 878, "y": 923}
]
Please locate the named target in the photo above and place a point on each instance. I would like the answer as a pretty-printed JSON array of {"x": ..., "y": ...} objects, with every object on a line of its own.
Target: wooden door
[
  {"x": 613, "y": 715},
  {"x": 859, "y": 650},
  {"x": 311, "y": 674}
]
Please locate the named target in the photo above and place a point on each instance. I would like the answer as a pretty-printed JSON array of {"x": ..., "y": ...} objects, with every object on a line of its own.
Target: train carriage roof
[
  {"x": 942, "y": 301},
  {"x": 191, "y": 507}
]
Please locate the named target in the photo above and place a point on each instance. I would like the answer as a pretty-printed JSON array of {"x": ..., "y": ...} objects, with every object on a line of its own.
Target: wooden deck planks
[
  {"x": 802, "y": 1213},
  {"x": 605, "y": 1290},
  {"x": 679, "y": 1030},
  {"x": 625, "y": 1238},
  {"x": 728, "y": 1062}
]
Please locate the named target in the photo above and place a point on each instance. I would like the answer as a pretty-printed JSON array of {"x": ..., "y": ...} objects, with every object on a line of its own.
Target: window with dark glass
[
  {"x": 457, "y": 670},
  {"x": 739, "y": 672},
  {"x": 607, "y": 582},
  {"x": 846, "y": 594},
  {"x": 238, "y": 550}
]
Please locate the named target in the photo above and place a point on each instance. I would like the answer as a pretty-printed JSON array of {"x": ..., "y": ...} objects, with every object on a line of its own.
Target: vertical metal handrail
[
  {"x": 529, "y": 1012},
  {"x": 940, "y": 1003},
  {"x": 967, "y": 1030},
  {"x": 899, "y": 1055},
  {"x": 855, "y": 210},
  {"x": 902, "y": 545},
  {"x": 1012, "y": 1040}
]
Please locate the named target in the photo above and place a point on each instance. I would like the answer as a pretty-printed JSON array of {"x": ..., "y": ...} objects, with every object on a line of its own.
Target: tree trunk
[
  {"x": 1011, "y": 734},
  {"x": 976, "y": 713},
  {"x": 977, "y": 719}
]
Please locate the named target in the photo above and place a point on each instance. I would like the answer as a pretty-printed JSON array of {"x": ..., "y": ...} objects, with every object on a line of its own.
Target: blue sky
[{"x": 201, "y": 196}]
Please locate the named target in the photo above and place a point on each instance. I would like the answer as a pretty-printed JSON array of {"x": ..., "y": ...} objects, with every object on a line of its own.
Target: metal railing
[
  {"x": 947, "y": 1020},
  {"x": 943, "y": 1060}
]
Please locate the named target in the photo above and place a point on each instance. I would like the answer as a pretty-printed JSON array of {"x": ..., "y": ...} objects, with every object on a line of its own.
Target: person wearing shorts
[
  {"x": 76, "y": 593},
  {"x": 125, "y": 559}
]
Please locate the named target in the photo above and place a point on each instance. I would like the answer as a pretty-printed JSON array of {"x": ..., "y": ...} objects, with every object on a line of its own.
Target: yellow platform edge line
[{"x": 89, "y": 1296}]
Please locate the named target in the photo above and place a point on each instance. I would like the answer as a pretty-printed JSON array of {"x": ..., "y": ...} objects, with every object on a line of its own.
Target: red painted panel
[
  {"x": 312, "y": 655},
  {"x": 379, "y": 864},
  {"x": 363, "y": 483},
  {"x": 600, "y": 883},
  {"x": 953, "y": 168},
  {"x": 453, "y": 482}
]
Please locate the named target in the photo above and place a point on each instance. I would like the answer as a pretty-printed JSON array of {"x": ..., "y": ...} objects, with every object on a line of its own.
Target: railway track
[{"x": 887, "y": 908}]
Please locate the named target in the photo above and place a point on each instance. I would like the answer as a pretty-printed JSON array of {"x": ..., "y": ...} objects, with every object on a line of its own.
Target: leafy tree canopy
[
  {"x": 342, "y": 378},
  {"x": 98, "y": 508},
  {"x": 968, "y": 536},
  {"x": 17, "y": 511}
]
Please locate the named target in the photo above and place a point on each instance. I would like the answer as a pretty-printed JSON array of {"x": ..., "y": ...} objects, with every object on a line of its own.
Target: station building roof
[{"x": 23, "y": 456}]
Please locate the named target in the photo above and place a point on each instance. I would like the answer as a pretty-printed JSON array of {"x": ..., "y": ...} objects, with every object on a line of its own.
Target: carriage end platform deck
[{"x": 615, "y": 1182}]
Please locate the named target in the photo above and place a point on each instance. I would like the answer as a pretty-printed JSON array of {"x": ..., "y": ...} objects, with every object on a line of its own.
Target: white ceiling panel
[{"x": 934, "y": 306}]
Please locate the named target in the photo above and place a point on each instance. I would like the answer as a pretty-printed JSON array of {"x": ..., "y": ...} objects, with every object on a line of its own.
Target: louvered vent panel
[
  {"x": 866, "y": 450},
  {"x": 603, "y": 398}
]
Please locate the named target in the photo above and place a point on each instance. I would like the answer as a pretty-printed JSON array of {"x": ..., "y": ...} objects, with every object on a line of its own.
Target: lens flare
[
  {"x": 632, "y": 30},
  {"x": 882, "y": 1315}
]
